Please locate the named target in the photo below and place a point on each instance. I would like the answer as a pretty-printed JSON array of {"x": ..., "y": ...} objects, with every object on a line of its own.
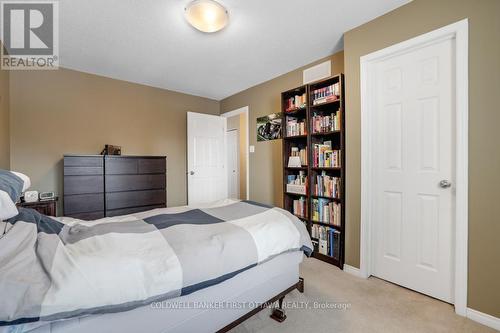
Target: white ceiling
[{"x": 149, "y": 41}]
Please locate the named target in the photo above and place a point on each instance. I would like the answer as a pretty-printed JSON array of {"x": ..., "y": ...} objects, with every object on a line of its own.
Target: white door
[
  {"x": 233, "y": 164},
  {"x": 413, "y": 204},
  {"x": 206, "y": 145}
]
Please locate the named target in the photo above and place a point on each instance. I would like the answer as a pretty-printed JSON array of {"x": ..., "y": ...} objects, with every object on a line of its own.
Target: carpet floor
[{"x": 345, "y": 303}]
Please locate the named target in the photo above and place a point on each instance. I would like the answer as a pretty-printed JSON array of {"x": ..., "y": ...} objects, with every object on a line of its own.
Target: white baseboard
[
  {"x": 352, "y": 270},
  {"x": 483, "y": 318}
]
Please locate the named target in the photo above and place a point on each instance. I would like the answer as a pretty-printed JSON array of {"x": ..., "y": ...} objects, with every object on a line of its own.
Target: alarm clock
[
  {"x": 44, "y": 196},
  {"x": 31, "y": 196}
]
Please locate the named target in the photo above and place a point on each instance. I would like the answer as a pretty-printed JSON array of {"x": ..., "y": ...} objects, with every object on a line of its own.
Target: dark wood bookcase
[{"x": 306, "y": 112}]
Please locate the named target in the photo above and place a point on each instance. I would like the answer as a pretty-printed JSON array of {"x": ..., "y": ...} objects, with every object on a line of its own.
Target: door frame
[
  {"x": 243, "y": 110},
  {"x": 459, "y": 32},
  {"x": 237, "y": 158}
]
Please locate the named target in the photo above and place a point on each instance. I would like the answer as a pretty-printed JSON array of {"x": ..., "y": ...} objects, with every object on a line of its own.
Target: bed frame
[{"x": 278, "y": 313}]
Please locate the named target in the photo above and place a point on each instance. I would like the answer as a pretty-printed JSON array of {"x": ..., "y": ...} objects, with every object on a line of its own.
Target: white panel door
[
  {"x": 413, "y": 154},
  {"x": 233, "y": 164},
  {"x": 207, "y": 178}
]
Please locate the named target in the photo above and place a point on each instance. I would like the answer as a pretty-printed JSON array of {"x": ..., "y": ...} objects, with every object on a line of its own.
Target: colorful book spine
[
  {"x": 325, "y": 157},
  {"x": 328, "y": 123},
  {"x": 295, "y": 127},
  {"x": 296, "y": 102},
  {"x": 326, "y": 94},
  {"x": 327, "y": 186},
  {"x": 299, "y": 207},
  {"x": 326, "y": 211}
]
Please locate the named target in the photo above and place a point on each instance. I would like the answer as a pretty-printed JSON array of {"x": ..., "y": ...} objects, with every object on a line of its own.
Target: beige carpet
[{"x": 373, "y": 305}]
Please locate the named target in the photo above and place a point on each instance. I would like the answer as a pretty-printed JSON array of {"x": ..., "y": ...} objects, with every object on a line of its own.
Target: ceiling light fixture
[{"x": 206, "y": 15}]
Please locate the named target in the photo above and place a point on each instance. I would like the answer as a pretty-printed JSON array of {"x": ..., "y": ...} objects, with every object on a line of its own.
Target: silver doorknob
[
  {"x": 191, "y": 173},
  {"x": 445, "y": 183}
]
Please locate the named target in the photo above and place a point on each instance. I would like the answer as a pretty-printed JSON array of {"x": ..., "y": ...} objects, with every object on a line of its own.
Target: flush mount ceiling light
[{"x": 206, "y": 15}]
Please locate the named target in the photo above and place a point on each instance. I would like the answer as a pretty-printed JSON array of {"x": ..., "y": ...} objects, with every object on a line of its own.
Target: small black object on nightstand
[{"x": 45, "y": 207}]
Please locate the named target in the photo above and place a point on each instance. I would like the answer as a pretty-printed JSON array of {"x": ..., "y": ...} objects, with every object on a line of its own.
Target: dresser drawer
[
  {"x": 120, "y": 166},
  {"x": 151, "y": 165},
  {"x": 83, "y": 161},
  {"x": 119, "y": 200},
  {"x": 83, "y": 171},
  {"x": 83, "y": 184},
  {"x": 126, "y": 165},
  {"x": 83, "y": 203},
  {"x": 121, "y": 183}
]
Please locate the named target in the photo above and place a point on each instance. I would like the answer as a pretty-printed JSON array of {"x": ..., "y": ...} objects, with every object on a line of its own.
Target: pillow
[{"x": 12, "y": 184}]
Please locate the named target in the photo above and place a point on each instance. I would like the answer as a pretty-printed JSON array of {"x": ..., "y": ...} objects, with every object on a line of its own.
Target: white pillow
[
  {"x": 26, "y": 180},
  {"x": 8, "y": 207}
]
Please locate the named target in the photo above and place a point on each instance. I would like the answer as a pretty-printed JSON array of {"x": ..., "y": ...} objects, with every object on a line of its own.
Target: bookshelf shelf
[
  {"x": 304, "y": 136},
  {"x": 327, "y": 225},
  {"x": 327, "y": 168},
  {"x": 326, "y": 197},
  {"x": 324, "y": 142},
  {"x": 324, "y": 103},
  {"x": 296, "y": 168},
  {"x": 326, "y": 133}
]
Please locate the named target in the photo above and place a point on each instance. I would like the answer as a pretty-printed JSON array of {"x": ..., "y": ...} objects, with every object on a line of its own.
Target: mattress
[{"x": 206, "y": 310}]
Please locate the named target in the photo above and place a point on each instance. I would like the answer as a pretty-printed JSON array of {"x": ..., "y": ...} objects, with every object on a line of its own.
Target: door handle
[
  {"x": 444, "y": 183},
  {"x": 191, "y": 173}
]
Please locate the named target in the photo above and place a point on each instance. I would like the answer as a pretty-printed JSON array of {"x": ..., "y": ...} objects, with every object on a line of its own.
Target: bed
[{"x": 183, "y": 269}]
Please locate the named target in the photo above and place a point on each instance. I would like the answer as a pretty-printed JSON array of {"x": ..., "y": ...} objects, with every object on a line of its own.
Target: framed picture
[{"x": 269, "y": 127}]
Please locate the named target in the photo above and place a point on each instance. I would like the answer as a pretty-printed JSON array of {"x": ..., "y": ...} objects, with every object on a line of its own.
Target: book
[
  {"x": 326, "y": 211},
  {"x": 327, "y": 186},
  {"x": 328, "y": 123},
  {"x": 300, "y": 152},
  {"x": 326, "y": 94},
  {"x": 295, "y": 127},
  {"x": 296, "y": 102}
]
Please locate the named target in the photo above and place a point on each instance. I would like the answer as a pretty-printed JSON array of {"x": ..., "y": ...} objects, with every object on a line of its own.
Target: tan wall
[
  {"x": 64, "y": 111},
  {"x": 266, "y": 178},
  {"x": 415, "y": 18},
  {"x": 4, "y": 120}
]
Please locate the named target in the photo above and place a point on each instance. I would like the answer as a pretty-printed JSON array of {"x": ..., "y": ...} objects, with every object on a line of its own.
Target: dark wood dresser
[{"x": 98, "y": 186}]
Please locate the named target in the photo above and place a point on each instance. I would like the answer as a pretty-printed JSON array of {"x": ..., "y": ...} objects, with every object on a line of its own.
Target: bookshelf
[{"x": 314, "y": 188}]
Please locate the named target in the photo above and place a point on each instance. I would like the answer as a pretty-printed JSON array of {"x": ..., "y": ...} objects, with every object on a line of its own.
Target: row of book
[
  {"x": 325, "y": 157},
  {"x": 328, "y": 240},
  {"x": 327, "y": 186},
  {"x": 296, "y": 102},
  {"x": 326, "y": 211},
  {"x": 329, "y": 123},
  {"x": 300, "y": 207},
  {"x": 301, "y": 153},
  {"x": 326, "y": 94},
  {"x": 295, "y": 127}
]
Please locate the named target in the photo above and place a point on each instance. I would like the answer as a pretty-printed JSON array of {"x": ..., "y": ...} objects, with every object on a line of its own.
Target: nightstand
[{"x": 45, "y": 207}]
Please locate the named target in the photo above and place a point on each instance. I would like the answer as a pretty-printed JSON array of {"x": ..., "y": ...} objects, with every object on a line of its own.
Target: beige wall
[
  {"x": 238, "y": 122},
  {"x": 64, "y": 111},
  {"x": 266, "y": 178},
  {"x": 415, "y": 18},
  {"x": 4, "y": 120}
]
